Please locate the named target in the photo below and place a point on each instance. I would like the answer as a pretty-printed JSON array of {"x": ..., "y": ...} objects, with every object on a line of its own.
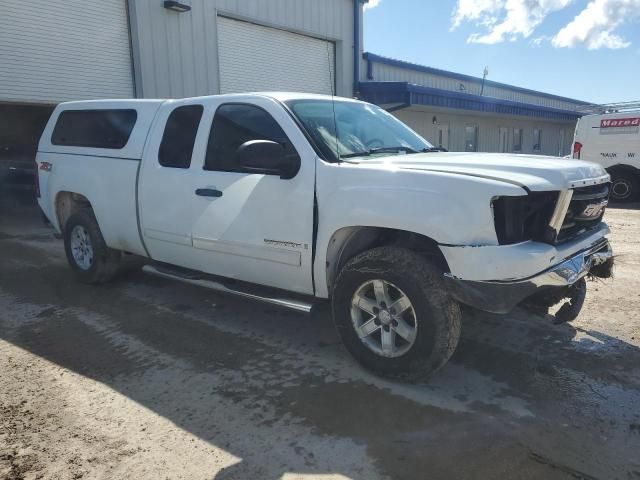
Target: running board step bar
[{"x": 203, "y": 281}]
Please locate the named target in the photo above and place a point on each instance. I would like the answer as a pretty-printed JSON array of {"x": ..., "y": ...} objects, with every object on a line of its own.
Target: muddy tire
[
  {"x": 625, "y": 185},
  {"x": 87, "y": 253},
  {"x": 394, "y": 315}
]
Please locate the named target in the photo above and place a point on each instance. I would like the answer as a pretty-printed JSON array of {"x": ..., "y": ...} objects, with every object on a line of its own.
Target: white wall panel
[
  {"x": 53, "y": 51},
  {"x": 421, "y": 120}
]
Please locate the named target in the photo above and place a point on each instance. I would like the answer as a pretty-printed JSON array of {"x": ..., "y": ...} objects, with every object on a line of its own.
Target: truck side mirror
[{"x": 267, "y": 157}]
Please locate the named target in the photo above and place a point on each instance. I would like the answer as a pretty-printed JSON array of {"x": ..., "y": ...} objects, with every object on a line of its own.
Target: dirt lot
[{"x": 150, "y": 379}]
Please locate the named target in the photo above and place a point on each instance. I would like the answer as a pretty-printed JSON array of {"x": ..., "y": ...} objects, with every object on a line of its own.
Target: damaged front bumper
[{"x": 502, "y": 296}]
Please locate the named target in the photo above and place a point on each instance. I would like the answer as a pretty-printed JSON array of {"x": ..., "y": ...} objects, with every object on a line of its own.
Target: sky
[{"x": 583, "y": 49}]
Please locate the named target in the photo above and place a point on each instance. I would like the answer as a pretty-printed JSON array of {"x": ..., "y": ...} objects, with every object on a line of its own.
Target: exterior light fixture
[
  {"x": 176, "y": 6},
  {"x": 434, "y": 120}
]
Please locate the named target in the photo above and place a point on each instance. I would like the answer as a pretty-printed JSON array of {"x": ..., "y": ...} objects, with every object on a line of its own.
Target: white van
[{"x": 613, "y": 141}]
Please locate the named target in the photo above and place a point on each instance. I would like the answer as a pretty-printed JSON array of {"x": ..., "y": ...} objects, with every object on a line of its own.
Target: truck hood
[{"x": 533, "y": 172}]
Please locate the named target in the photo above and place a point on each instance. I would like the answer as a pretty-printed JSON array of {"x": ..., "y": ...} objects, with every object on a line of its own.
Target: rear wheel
[
  {"x": 87, "y": 253},
  {"x": 624, "y": 185},
  {"x": 394, "y": 314}
]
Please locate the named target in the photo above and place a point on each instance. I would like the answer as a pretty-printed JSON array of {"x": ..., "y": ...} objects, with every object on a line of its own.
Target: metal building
[
  {"x": 53, "y": 51},
  {"x": 463, "y": 113}
]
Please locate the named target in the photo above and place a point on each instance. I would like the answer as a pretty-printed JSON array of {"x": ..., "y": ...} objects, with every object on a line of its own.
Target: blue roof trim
[
  {"x": 372, "y": 57},
  {"x": 403, "y": 93}
]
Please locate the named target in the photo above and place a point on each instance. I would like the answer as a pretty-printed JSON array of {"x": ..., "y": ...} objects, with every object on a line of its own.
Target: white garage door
[
  {"x": 51, "y": 51},
  {"x": 256, "y": 58}
]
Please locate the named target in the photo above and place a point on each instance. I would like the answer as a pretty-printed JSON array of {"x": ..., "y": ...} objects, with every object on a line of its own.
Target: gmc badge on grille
[{"x": 593, "y": 210}]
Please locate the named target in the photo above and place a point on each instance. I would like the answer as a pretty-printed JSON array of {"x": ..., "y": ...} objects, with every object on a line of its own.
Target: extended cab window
[
  {"x": 236, "y": 124},
  {"x": 179, "y": 136},
  {"x": 94, "y": 128}
]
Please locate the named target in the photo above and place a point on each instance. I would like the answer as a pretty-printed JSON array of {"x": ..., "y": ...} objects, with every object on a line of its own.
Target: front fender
[{"x": 448, "y": 208}]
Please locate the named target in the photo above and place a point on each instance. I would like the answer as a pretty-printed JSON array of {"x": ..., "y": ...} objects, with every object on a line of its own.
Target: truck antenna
[{"x": 333, "y": 101}]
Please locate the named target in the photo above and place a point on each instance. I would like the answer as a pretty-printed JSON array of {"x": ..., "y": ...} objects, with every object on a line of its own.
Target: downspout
[{"x": 357, "y": 4}]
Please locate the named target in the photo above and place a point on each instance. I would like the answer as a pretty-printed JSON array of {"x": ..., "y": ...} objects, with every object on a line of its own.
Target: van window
[
  {"x": 235, "y": 124},
  {"x": 179, "y": 136},
  {"x": 94, "y": 128}
]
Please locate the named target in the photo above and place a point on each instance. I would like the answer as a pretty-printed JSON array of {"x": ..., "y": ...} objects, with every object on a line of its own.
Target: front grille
[{"x": 585, "y": 211}]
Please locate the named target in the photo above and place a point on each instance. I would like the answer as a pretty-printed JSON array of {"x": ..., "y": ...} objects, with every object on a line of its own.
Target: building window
[
  {"x": 517, "y": 139},
  {"x": 94, "y": 128},
  {"x": 471, "y": 138},
  {"x": 235, "y": 124},
  {"x": 179, "y": 137},
  {"x": 537, "y": 139}
]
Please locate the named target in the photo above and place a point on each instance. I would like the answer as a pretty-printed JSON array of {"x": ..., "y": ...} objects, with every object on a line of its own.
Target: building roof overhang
[{"x": 396, "y": 95}]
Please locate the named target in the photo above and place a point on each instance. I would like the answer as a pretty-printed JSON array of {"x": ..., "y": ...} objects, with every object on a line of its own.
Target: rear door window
[
  {"x": 179, "y": 136},
  {"x": 94, "y": 128}
]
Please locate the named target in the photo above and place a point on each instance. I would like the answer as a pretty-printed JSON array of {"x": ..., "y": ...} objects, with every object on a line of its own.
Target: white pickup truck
[{"x": 293, "y": 199}]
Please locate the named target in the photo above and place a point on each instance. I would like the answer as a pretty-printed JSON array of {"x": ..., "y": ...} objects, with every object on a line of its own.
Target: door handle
[{"x": 208, "y": 192}]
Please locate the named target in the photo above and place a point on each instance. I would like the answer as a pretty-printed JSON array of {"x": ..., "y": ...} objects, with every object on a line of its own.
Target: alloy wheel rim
[
  {"x": 384, "y": 318},
  {"x": 81, "y": 248}
]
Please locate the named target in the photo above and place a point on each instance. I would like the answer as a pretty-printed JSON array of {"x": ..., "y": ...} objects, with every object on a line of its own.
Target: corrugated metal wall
[
  {"x": 421, "y": 120},
  {"x": 52, "y": 51},
  {"x": 387, "y": 73},
  {"x": 177, "y": 54}
]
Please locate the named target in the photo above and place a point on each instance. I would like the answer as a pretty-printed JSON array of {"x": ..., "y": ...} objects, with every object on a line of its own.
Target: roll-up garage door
[
  {"x": 52, "y": 51},
  {"x": 257, "y": 58}
]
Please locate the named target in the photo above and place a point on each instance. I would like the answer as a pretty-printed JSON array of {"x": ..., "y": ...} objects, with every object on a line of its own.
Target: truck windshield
[{"x": 345, "y": 130}]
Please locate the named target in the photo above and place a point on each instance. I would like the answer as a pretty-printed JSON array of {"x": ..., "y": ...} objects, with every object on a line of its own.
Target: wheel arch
[
  {"x": 67, "y": 203},
  {"x": 347, "y": 242},
  {"x": 618, "y": 167}
]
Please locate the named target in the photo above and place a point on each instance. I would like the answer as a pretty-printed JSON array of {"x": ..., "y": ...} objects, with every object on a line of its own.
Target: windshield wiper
[
  {"x": 434, "y": 149},
  {"x": 374, "y": 151}
]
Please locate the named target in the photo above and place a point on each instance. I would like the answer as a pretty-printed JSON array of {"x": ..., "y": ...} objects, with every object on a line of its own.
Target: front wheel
[{"x": 394, "y": 315}]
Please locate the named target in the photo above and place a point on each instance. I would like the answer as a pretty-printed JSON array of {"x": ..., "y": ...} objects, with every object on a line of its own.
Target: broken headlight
[{"x": 518, "y": 219}]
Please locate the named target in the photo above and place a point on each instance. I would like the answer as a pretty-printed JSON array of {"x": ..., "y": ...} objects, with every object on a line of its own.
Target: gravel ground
[{"x": 151, "y": 379}]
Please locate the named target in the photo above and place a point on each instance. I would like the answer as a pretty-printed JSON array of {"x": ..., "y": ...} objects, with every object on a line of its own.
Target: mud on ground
[{"x": 150, "y": 379}]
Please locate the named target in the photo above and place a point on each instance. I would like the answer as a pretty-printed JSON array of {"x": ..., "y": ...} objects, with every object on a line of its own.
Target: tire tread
[{"x": 428, "y": 279}]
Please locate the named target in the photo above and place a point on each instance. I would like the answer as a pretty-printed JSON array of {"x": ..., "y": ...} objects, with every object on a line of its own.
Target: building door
[
  {"x": 561, "y": 144},
  {"x": 52, "y": 52},
  {"x": 256, "y": 58},
  {"x": 442, "y": 136},
  {"x": 504, "y": 140},
  {"x": 471, "y": 138}
]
